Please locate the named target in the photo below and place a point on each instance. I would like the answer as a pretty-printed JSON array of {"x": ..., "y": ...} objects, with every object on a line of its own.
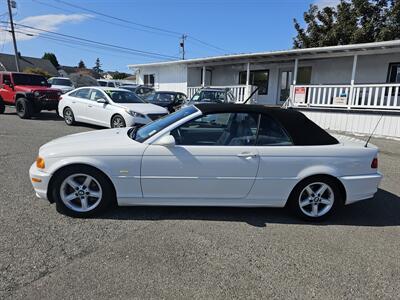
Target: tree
[
  {"x": 350, "y": 22},
  {"x": 97, "y": 66},
  {"x": 52, "y": 58},
  {"x": 37, "y": 71},
  {"x": 120, "y": 75},
  {"x": 81, "y": 65}
]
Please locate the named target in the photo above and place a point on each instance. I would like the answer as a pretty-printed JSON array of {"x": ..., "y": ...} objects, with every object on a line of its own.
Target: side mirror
[
  {"x": 166, "y": 141},
  {"x": 101, "y": 100}
]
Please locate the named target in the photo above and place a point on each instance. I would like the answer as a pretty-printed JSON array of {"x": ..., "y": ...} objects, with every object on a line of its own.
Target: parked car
[
  {"x": 108, "y": 82},
  {"x": 141, "y": 90},
  {"x": 109, "y": 107},
  {"x": 212, "y": 95},
  {"x": 169, "y": 100},
  {"x": 62, "y": 83},
  {"x": 29, "y": 93},
  {"x": 209, "y": 155}
]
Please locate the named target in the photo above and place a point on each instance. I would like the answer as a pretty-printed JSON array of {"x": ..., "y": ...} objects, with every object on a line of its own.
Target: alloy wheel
[
  {"x": 68, "y": 116},
  {"x": 118, "y": 122},
  {"x": 81, "y": 192},
  {"x": 316, "y": 199}
]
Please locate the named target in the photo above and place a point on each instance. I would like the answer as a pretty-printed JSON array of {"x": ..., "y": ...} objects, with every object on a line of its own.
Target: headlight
[
  {"x": 135, "y": 114},
  {"x": 36, "y": 94},
  {"x": 40, "y": 163}
]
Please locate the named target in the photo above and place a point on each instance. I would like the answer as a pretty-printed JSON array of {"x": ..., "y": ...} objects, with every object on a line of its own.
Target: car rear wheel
[
  {"x": 24, "y": 108},
  {"x": 82, "y": 191},
  {"x": 316, "y": 198},
  {"x": 2, "y": 107},
  {"x": 117, "y": 121},
  {"x": 69, "y": 117}
]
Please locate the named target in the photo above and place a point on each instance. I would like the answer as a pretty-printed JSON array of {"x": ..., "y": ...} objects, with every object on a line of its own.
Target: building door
[{"x": 285, "y": 80}]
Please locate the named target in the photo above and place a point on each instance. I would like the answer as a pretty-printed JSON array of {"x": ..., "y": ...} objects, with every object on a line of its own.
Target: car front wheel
[
  {"x": 69, "y": 117},
  {"x": 117, "y": 121},
  {"x": 82, "y": 191},
  {"x": 24, "y": 108},
  {"x": 316, "y": 198}
]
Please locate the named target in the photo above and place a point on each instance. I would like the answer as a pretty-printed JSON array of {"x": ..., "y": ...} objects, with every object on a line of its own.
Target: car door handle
[
  {"x": 73, "y": 101},
  {"x": 90, "y": 106},
  {"x": 247, "y": 154}
]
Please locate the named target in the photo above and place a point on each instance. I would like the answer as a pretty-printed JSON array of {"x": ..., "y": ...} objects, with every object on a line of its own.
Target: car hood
[
  {"x": 31, "y": 88},
  {"x": 93, "y": 143},
  {"x": 144, "y": 108}
]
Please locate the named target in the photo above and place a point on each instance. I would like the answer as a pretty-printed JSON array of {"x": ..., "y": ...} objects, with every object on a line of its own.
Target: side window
[
  {"x": 82, "y": 93},
  {"x": 223, "y": 129},
  {"x": 271, "y": 133},
  {"x": 6, "y": 78},
  {"x": 96, "y": 94}
]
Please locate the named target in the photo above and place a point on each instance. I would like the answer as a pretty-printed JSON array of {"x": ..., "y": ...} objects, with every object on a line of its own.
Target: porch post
[
  {"x": 203, "y": 81},
  {"x": 353, "y": 76},
  {"x": 296, "y": 67},
  {"x": 248, "y": 91}
]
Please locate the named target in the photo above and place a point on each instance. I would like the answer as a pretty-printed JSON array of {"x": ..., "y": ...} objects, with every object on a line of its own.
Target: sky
[{"x": 214, "y": 27}]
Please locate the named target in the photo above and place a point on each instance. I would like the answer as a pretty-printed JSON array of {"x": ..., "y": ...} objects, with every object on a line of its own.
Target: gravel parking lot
[{"x": 158, "y": 252}]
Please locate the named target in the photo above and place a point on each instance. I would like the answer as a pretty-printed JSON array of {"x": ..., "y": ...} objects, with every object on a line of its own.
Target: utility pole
[
  {"x": 182, "y": 45},
  {"x": 10, "y": 5}
]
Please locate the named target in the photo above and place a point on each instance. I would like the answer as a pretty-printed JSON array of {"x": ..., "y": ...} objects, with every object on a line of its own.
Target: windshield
[
  {"x": 123, "y": 96},
  {"x": 28, "y": 79},
  {"x": 152, "y": 128},
  {"x": 102, "y": 83},
  {"x": 164, "y": 97},
  {"x": 129, "y": 88},
  {"x": 59, "y": 81},
  {"x": 209, "y": 96}
]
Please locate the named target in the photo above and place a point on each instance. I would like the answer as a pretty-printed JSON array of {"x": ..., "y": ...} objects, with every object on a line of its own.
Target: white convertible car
[
  {"x": 209, "y": 155},
  {"x": 108, "y": 107}
]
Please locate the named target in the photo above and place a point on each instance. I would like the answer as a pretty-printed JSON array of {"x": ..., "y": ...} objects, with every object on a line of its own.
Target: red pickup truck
[{"x": 29, "y": 93}]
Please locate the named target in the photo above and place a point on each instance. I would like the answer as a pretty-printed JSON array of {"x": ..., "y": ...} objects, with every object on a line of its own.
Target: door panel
[{"x": 198, "y": 171}]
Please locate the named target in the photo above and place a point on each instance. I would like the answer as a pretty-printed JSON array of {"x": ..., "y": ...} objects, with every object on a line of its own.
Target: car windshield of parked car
[
  {"x": 152, "y": 128},
  {"x": 209, "y": 96},
  {"x": 123, "y": 97},
  {"x": 60, "y": 81},
  {"x": 164, "y": 97},
  {"x": 102, "y": 83},
  {"x": 28, "y": 79}
]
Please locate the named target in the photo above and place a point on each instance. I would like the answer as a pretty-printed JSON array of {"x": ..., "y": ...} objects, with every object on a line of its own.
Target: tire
[
  {"x": 305, "y": 201},
  {"x": 37, "y": 110},
  {"x": 2, "y": 107},
  {"x": 117, "y": 121},
  {"x": 69, "y": 117},
  {"x": 24, "y": 108},
  {"x": 76, "y": 197}
]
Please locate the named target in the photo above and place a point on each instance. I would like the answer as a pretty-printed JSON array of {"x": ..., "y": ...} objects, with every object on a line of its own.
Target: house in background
[
  {"x": 342, "y": 88},
  {"x": 7, "y": 63},
  {"x": 66, "y": 71}
]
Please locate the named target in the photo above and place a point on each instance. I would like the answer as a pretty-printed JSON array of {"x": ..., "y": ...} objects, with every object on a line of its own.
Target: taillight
[{"x": 374, "y": 163}]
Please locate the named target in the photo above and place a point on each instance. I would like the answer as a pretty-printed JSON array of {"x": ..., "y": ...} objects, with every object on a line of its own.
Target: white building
[{"x": 343, "y": 88}]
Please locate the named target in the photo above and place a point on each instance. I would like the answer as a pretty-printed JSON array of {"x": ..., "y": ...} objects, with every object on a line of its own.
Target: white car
[
  {"x": 62, "y": 83},
  {"x": 209, "y": 155},
  {"x": 108, "y": 107}
]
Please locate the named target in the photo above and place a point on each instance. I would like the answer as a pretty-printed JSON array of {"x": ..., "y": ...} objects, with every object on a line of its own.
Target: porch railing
[
  {"x": 372, "y": 96},
  {"x": 241, "y": 92}
]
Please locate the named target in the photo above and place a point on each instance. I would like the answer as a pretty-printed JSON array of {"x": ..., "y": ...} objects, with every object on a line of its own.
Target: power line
[
  {"x": 142, "y": 25},
  {"x": 139, "y": 52}
]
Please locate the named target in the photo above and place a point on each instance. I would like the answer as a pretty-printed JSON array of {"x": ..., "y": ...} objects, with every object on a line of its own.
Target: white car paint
[
  {"x": 94, "y": 112},
  {"x": 64, "y": 88},
  {"x": 245, "y": 176}
]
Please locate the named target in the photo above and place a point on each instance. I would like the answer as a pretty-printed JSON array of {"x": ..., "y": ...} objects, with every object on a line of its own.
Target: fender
[{"x": 318, "y": 170}]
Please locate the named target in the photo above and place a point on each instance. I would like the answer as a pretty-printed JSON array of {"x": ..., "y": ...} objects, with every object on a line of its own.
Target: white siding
[
  {"x": 357, "y": 123},
  {"x": 167, "y": 78}
]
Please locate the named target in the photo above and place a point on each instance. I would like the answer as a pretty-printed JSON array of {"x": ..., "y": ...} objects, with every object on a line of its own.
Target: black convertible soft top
[{"x": 302, "y": 130}]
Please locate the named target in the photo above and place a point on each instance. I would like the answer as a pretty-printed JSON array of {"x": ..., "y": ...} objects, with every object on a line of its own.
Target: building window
[
  {"x": 303, "y": 75},
  {"x": 394, "y": 73},
  {"x": 258, "y": 78},
  {"x": 148, "y": 79}
]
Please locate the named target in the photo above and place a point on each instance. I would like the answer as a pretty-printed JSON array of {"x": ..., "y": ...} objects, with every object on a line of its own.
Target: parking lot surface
[{"x": 180, "y": 252}]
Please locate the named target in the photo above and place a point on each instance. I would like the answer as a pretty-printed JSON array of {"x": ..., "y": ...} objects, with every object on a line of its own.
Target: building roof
[
  {"x": 7, "y": 63},
  {"x": 342, "y": 50}
]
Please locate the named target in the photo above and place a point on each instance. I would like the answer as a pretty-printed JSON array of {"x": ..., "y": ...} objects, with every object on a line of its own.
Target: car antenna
[
  {"x": 251, "y": 95},
  {"x": 373, "y": 131}
]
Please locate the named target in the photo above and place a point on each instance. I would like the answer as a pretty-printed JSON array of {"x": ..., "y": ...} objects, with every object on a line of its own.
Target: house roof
[
  {"x": 7, "y": 63},
  {"x": 342, "y": 50},
  {"x": 71, "y": 70}
]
